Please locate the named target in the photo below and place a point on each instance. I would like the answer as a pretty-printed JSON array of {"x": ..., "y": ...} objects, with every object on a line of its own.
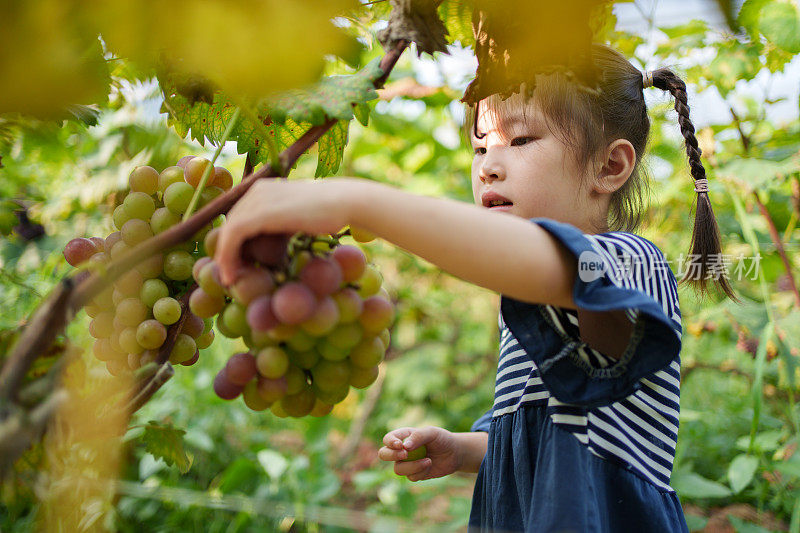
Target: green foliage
[{"x": 166, "y": 442}]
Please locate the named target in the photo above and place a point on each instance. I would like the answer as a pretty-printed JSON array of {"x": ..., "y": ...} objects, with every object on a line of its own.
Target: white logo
[{"x": 590, "y": 266}]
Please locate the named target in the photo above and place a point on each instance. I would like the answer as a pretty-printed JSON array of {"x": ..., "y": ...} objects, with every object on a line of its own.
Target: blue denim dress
[{"x": 578, "y": 441}]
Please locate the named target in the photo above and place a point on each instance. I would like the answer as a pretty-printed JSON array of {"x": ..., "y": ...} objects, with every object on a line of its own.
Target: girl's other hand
[
  {"x": 280, "y": 206},
  {"x": 443, "y": 449}
]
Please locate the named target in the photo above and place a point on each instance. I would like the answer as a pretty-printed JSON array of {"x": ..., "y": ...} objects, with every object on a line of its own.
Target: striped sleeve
[{"x": 616, "y": 271}]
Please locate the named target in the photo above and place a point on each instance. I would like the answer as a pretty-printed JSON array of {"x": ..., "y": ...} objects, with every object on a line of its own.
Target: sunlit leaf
[
  {"x": 331, "y": 147},
  {"x": 741, "y": 471},
  {"x": 166, "y": 442}
]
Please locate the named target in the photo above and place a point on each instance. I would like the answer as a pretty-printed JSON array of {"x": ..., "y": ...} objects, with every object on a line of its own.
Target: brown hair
[{"x": 588, "y": 120}]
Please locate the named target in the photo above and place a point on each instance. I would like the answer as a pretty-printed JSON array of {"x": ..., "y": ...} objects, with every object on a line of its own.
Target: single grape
[
  {"x": 169, "y": 176},
  {"x": 151, "y": 334},
  {"x": 385, "y": 338},
  {"x": 118, "y": 367},
  {"x": 119, "y": 249},
  {"x": 241, "y": 368},
  {"x": 193, "y": 325},
  {"x": 162, "y": 220},
  {"x": 324, "y": 319},
  {"x": 111, "y": 240},
  {"x": 296, "y": 380},
  {"x": 152, "y": 266},
  {"x": 300, "y": 404},
  {"x": 183, "y": 349},
  {"x": 222, "y": 178},
  {"x": 153, "y": 290},
  {"x": 293, "y": 303},
  {"x": 92, "y": 309},
  {"x": 205, "y": 340},
  {"x": 178, "y": 265},
  {"x": 330, "y": 375},
  {"x": 184, "y": 160},
  {"x": 252, "y": 398},
  {"x": 361, "y": 378},
  {"x": 103, "y": 351},
  {"x": 330, "y": 352},
  {"x": 271, "y": 390},
  {"x": 200, "y": 263},
  {"x": 209, "y": 194},
  {"x": 99, "y": 243},
  {"x": 368, "y": 353},
  {"x": 361, "y": 235},
  {"x": 120, "y": 216},
  {"x": 259, "y": 316},
  {"x": 261, "y": 339},
  {"x": 299, "y": 261},
  {"x": 370, "y": 282},
  {"x": 235, "y": 318},
  {"x": 208, "y": 279},
  {"x": 139, "y": 205},
  {"x": 135, "y": 231},
  {"x": 377, "y": 315},
  {"x": 282, "y": 332},
  {"x": 321, "y": 408},
  {"x": 322, "y": 276},
  {"x": 349, "y": 304},
  {"x": 305, "y": 359},
  {"x": 210, "y": 241},
  {"x": 144, "y": 179},
  {"x": 167, "y": 310},
  {"x": 113, "y": 341},
  {"x": 223, "y": 329},
  {"x": 102, "y": 326},
  {"x": 345, "y": 336},
  {"x": 272, "y": 362},
  {"x": 147, "y": 357},
  {"x": 278, "y": 411},
  {"x": 194, "y": 170},
  {"x": 251, "y": 284},
  {"x": 128, "y": 342},
  {"x": 130, "y": 283},
  {"x": 351, "y": 260},
  {"x": 224, "y": 388},
  {"x": 178, "y": 196},
  {"x": 301, "y": 341},
  {"x": 331, "y": 396},
  {"x": 267, "y": 249},
  {"x": 131, "y": 311},
  {"x": 79, "y": 250},
  {"x": 193, "y": 360}
]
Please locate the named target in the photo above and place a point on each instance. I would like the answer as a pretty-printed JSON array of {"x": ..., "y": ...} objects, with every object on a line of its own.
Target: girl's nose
[{"x": 491, "y": 168}]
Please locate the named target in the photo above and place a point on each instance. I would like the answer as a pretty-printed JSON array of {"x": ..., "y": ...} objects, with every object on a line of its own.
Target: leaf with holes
[{"x": 166, "y": 442}]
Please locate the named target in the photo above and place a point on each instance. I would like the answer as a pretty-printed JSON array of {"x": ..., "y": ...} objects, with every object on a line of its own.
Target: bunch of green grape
[
  {"x": 312, "y": 313},
  {"x": 130, "y": 318}
]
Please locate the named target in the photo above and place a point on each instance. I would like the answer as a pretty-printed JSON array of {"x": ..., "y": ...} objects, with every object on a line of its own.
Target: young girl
[{"x": 582, "y": 433}]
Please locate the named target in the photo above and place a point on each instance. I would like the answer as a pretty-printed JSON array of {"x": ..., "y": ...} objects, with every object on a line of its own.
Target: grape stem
[{"x": 52, "y": 316}]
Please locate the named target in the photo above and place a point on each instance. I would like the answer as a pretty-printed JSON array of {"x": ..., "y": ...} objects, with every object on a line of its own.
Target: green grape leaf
[
  {"x": 333, "y": 97},
  {"x": 166, "y": 442},
  {"x": 780, "y": 24},
  {"x": 331, "y": 148},
  {"x": 457, "y": 18}
]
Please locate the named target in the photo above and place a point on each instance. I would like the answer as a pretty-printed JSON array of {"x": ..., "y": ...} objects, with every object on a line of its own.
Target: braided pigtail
[{"x": 705, "y": 245}]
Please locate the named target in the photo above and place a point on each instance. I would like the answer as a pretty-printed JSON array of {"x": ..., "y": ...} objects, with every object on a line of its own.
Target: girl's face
[{"x": 521, "y": 167}]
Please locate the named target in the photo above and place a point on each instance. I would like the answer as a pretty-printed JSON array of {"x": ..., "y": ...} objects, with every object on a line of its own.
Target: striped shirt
[{"x": 640, "y": 430}]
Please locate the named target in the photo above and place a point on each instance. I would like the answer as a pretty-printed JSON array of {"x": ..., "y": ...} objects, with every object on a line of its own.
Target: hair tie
[
  {"x": 647, "y": 79},
  {"x": 701, "y": 185}
]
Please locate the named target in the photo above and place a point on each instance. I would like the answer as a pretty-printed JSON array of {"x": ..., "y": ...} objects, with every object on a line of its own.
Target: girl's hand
[
  {"x": 280, "y": 206},
  {"x": 444, "y": 452}
]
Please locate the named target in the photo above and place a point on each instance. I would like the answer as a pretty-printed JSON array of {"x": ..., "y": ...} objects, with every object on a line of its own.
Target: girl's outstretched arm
[{"x": 498, "y": 251}]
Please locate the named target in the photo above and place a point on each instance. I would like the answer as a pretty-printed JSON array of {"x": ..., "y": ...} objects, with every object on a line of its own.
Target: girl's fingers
[
  {"x": 388, "y": 454},
  {"x": 412, "y": 467},
  {"x": 394, "y": 439}
]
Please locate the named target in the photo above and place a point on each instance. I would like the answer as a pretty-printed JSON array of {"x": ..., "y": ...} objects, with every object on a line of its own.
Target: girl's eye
[
  {"x": 480, "y": 150},
  {"x": 520, "y": 141}
]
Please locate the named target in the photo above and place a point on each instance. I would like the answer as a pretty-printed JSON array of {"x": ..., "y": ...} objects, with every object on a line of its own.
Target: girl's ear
[{"x": 616, "y": 167}]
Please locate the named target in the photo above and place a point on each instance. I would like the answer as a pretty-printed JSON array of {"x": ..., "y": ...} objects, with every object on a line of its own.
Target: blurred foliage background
[{"x": 736, "y": 467}]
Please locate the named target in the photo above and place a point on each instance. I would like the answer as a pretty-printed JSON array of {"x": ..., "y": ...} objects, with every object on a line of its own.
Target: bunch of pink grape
[
  {"x": 130, "y": 318},
  {"x": 313, "y": 315}
]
